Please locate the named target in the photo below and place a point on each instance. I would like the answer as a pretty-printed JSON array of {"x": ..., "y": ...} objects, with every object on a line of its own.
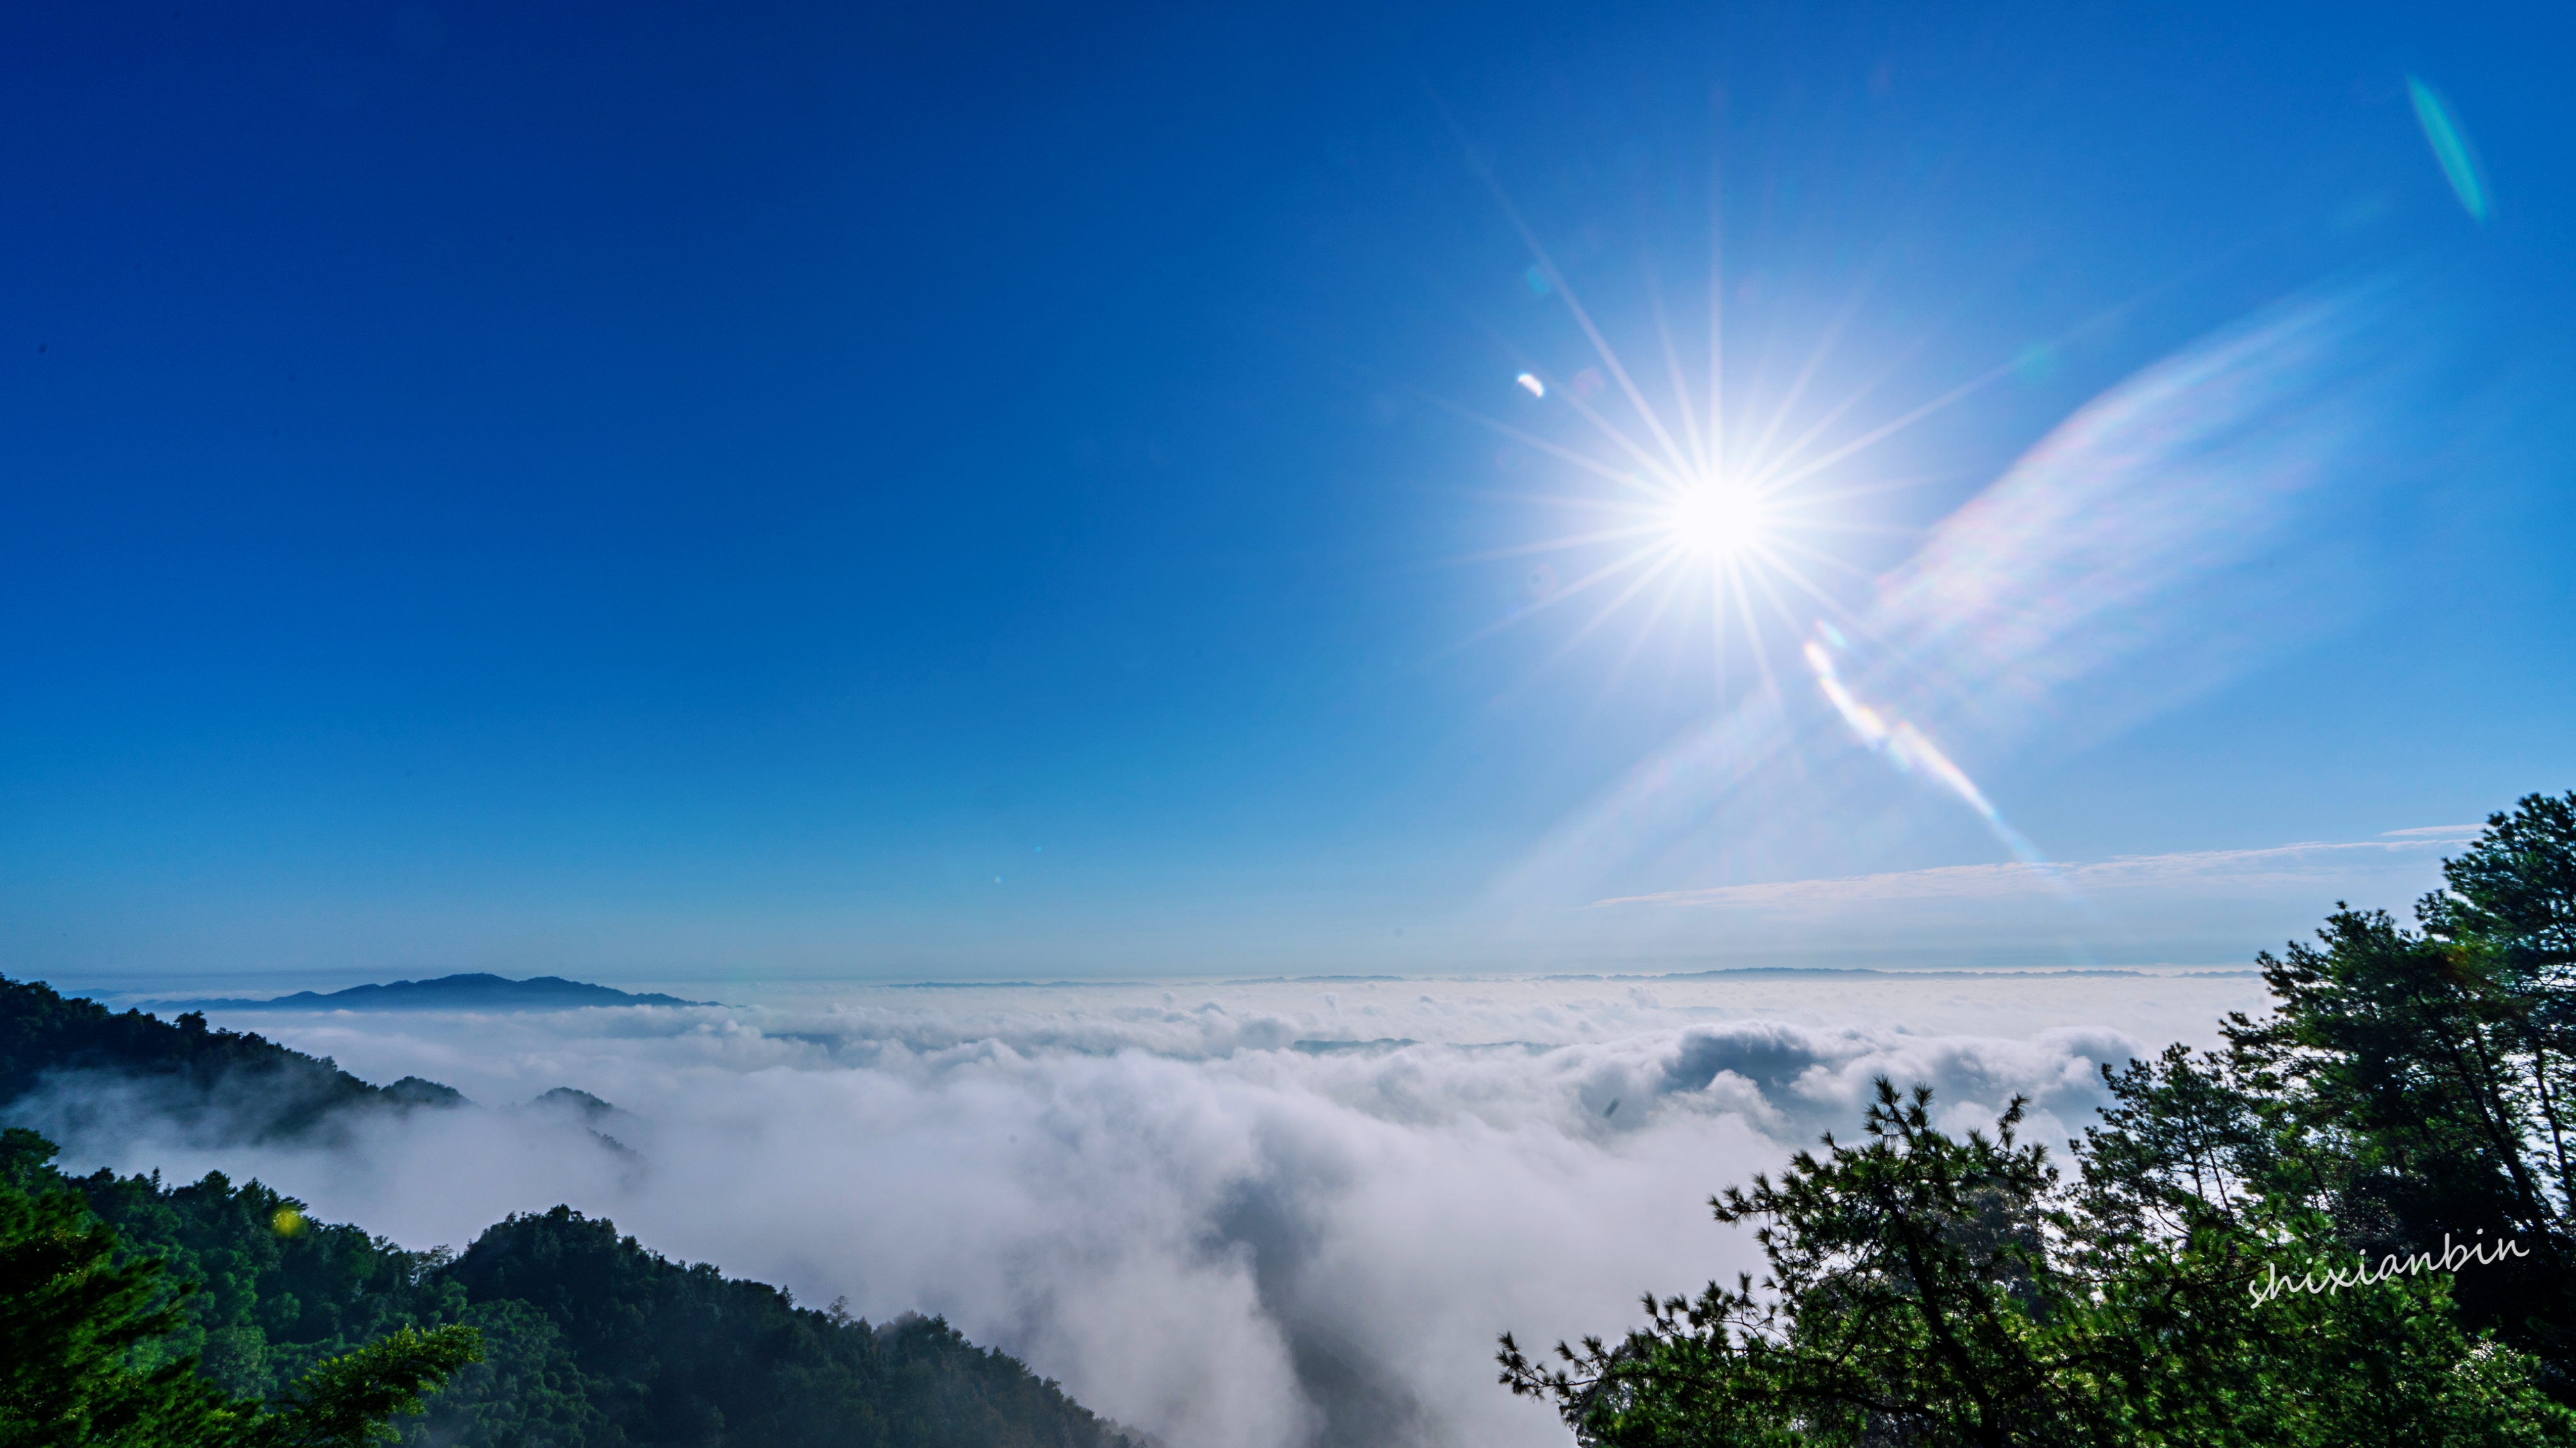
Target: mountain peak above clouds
[{"x": 477, "y": 991}]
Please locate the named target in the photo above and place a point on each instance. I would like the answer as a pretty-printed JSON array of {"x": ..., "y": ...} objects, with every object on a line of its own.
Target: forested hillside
[
  {"x": 589, "y": 1339},
  {"x": 236, "y": 1084},
  {"x": 684, "y": 1355}
]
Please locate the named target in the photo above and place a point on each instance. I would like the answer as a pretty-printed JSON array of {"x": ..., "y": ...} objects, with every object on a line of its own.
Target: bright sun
[
  {"x": 1707, "y": 515},
  {"x": 1718, "y": 520}
]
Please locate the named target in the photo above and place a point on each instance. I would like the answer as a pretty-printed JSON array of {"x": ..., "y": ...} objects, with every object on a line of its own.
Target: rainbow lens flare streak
[
  {"x": 1906, "y": 746},
  {"x": 2450, "y": 148}
]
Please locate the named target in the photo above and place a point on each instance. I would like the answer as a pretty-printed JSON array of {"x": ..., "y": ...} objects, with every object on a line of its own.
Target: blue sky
[{"x": 716, "y": 494}]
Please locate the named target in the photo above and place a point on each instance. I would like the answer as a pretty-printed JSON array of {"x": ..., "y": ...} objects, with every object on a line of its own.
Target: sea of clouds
[{"x": 1269, "y": 1214}]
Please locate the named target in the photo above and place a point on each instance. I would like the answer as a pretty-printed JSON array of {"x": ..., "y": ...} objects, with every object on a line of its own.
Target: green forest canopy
[{"x": 587, "y": 1339}]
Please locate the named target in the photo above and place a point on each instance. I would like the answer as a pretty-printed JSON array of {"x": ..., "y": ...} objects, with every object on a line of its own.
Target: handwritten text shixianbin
[{"x": 2451, "y": 1258}]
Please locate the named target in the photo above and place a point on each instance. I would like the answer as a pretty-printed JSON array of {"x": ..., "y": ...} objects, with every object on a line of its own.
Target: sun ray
[
  {"x": 1583, "y": 318},
  {"x": 1674, "y": 583},
  {"x": 1645, "y": 459},
  {"x": 1766, "y": 582},
  {"x": 1569, "y": 591},
  {"x": 1821, "y": 559},
  {"x": 1608, "y": 610},
  {"x": 1852, "y": 528},
  {"x": 1879, "y": 487},
  {"x": 1895, "y": 425},
  {"x": 1752, "y": 636},
  {"x": 1555, "y": 450},
  {"x": 1789, "y": 455},
  {"x": 1551, "y": 386},
  {"x": 1717, "y": 283},
  {"x": 1556, "y": 500},
  {"x": 1753, "y": 458},
  {"x": 1609, "y": 357},
  {"x": 1673, "y": 366},
  {"x": 1554, "y": 545}
]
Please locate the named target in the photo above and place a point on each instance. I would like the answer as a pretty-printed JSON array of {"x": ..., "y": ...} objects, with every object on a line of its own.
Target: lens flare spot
[
  {"x": 2450, "y": 147},
  {"x": 288, "y": 1222},
  {"x": 1531, "y": 385}
]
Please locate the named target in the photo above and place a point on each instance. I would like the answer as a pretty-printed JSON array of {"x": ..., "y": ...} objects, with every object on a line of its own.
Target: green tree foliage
[
  {"x": 2404, "y": 1094},
  {"x": 589, "y": 1340},
  {"x": 75, "y": 1318},
  {"x": 2516, "y": 887},
  {"x": 526, "y": 1393},
  {"x": 276, "y": 1291},
  {"x": 674, "y": 1354},
  {"x": 1931, "y": 1290},
  {"x": 344, "y": 1401},
  {"x": 83, "y": 1352},
  {"x": 2416, "y": 1082}
]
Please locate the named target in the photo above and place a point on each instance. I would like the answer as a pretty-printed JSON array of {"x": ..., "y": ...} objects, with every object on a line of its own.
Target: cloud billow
[{"x": 1199, "y": 1227}]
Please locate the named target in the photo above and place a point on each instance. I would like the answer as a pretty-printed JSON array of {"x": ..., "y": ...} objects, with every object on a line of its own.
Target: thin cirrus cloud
[{"x": 2264, "y": 871}]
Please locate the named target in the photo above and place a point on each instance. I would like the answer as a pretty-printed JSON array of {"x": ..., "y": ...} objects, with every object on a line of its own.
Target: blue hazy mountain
[{"x": 448, "y": 992}]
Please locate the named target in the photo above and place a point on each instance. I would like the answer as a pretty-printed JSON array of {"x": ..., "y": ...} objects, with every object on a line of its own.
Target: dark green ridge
[
  {"x": 44, "y": 1034},
  {"x": 590, "y": 1340}
]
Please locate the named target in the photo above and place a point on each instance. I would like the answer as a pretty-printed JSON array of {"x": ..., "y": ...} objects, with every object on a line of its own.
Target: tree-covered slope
[
  {"x": 94, "y": 1352},
  {"x": 678, "y": 1354},
  {"x": 240, "y": 1085},
  {"x": 589, "y": 1339}
]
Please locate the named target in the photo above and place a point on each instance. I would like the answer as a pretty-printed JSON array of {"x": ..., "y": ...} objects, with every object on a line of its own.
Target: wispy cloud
[{"x": 2268, "y": 867}]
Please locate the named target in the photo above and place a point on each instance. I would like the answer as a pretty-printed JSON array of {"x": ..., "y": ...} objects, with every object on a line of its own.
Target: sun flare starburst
[
  {"x": 1683, "y": 526},
  {"x": 1696, "y": 511}
]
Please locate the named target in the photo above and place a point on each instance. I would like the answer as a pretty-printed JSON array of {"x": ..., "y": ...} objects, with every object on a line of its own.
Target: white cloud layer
[{"x": 1257, "y": 1214}]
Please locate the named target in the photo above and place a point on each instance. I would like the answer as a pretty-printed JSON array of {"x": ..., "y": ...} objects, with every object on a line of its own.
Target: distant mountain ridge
[{"x": 448, "y": 992}]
